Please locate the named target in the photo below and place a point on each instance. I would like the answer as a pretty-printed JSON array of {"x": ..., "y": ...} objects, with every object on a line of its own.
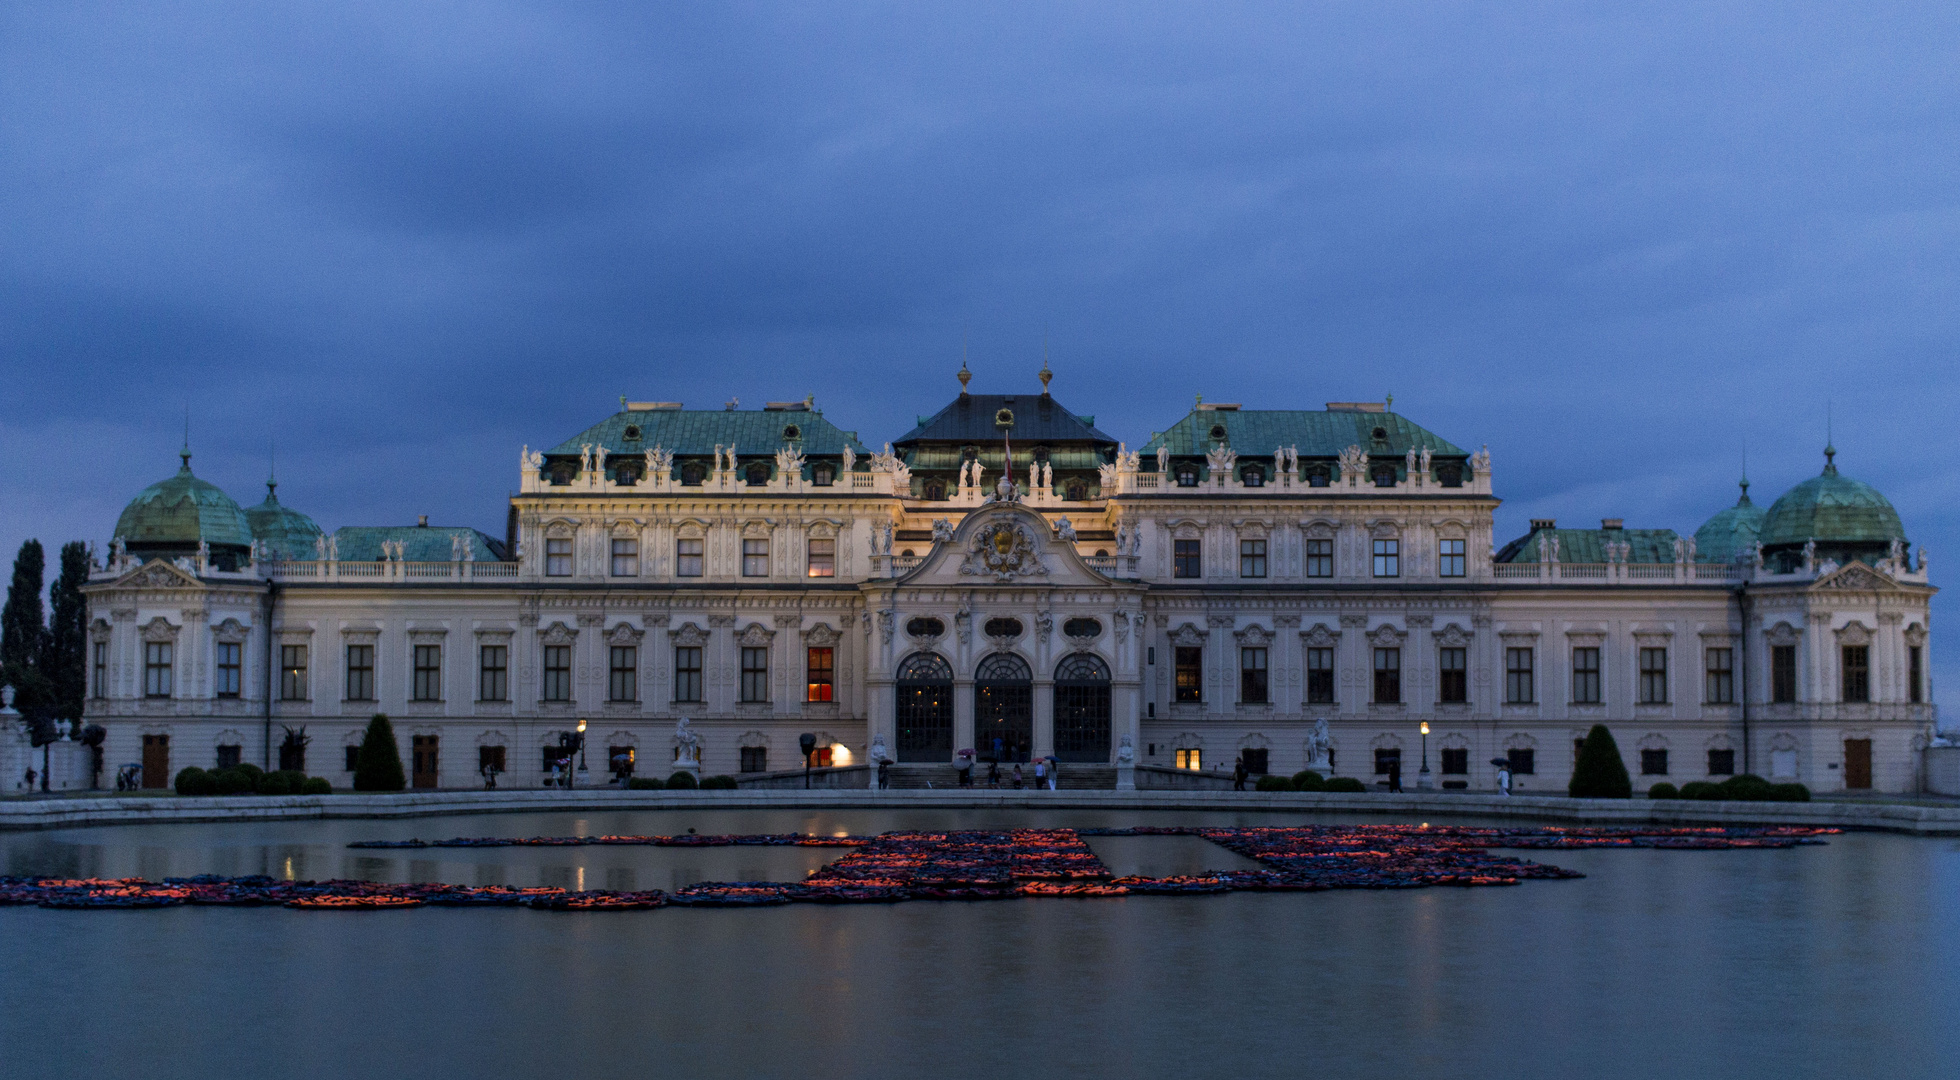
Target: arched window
[
  {"x": 562, "y": 472},
  {"x": 924, "y": 708},
  {"x": 693, "y": 473},
  {"x": 1383, "y": 475},
  {"x": 626, "y": 475},
  {"x": 759, "y": 474},
  {"x": 1449, "y": 475},
  {"x": 823, "y": 475},
  {"x": 1075, "y": 491},
  {"x": 1003, "y": 708},
  {"x": 1252, "y": 476},
  {"x": 933, "y": 490},
  {"x": 1318, "y": 476},
  {"x": 1082, "y": 708},
  {"x": 1187, "y": 475}
]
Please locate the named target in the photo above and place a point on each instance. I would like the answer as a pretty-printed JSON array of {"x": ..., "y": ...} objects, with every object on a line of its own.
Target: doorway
[
  {"x": 1858, "y": 764},
  {"x": 924, "y": 708},
  {"x": 1082, "y": 709},
  {"x": 1003, "y": 708},
  {"x": 156, "y": 761},
  {"x": 424, "y": 750}
]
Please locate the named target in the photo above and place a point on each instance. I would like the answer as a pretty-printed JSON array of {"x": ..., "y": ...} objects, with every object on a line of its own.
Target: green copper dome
[
  {"x": 1729, "y": 533},
  {"x": 1832, "y": 509},
  {"x": 170, "y": 516},
  {"x": 285, "y": 533}
]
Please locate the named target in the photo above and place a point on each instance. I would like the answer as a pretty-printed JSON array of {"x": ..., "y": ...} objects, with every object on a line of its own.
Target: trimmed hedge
[
  {"x": 1599, "y": 773},
  {"x": 645, "y": 783},
  {"x": 682, "y": 780},
  {"x": 1275, "y": 783},
  {"x": 1745, "y": 788},
  {"x": 282, "y": 782},
  {"x": 1308, "y": 780},
  {"x": 1345, "y": 783},
  {"x": 248, "y": 780},
  {"x": 234, "y": 781},
  {"x": 1663, "y": 790},
  {"x": 719, "y": 783},
  {"x": 195, "y": 781},
  {"x": 378, "y": 765}
]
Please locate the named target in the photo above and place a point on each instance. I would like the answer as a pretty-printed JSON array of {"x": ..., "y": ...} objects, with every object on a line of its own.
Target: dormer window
[
  {"x": 1187, "y": 476},
  {"x": 1450, "y": 475},
  {"x": 1383, "y": 475},
  {"x": 933, "y": 490},
  {"x": 1253, "y": 476},
  {"x": 759, "y": 475},
  {"x": 632, "y": 433},
  {"x": 1318, "y": 476},
  {"x": 791, "y": 432},
  {"x": 1041, "y": 453},
  {"x": 693, "y": 474},
  {"x": 823, "y": 475},
  {"x": 1075, "y": 491},
  {"x": 1218, "y": 432},
  {"x": 626, "y": 476},
  {"x": 1380, "y": 435},
  {"x": 561, "y": 473}
]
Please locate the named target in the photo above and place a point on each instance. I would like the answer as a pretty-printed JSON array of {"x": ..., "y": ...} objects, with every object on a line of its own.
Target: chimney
[
  {"x": 423, "y": 522},
  {"x": 1612, "y": 523},
  {"x": 1543, "y": 523}
]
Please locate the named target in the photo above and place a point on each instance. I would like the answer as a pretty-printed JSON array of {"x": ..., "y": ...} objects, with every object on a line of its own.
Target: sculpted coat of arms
[{"x": 1003, "y": 550}]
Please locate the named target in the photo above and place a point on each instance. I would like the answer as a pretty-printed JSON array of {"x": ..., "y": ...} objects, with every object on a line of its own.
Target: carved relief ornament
[
  {"x": 1004, "y": 550},
  {"x": 1319, "y": 636}
]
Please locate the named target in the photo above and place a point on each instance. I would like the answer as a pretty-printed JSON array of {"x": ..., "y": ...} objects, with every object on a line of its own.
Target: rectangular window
[
  {"x": 557, "y": 673},
  {"x": 230, "y": 754},
  {"x": 1190, "y": 759},
  {"x": 1913, "y": 674},
  {"x": 687, "y": 673},
  {"x": 1256, "y": 759},
  {"x": 292, "y": 673},
  {"x": 1190, "y": 673},
  {"x": 1388, "y": 558},
  {"x": 1585, "y": 675},
  {"x": 755, "y": 759},
  {"x": 626, "y": 558},
  {"x": 1456, "y": 761},
  {"x": 1252, "y": 558},
  {"x": 1449, "y": 560},
  {"x": 353, "y": 760},
  {"x": 1783, "y": 674},
  {"x": 227, "y": 677},
  {"x": 687, "y": 558},
  {"x": 624, "y": 681},
  {"x": 1517, "y": 677},
  {"x": 99, "y": 681},
  {"x": 428, "y": 673},
  {"x": 1521, "y": 762},
  {"x": 1857, "y": 673},
  {"x": 755, "y": 558},
  {"x": 558, "y": 558},
  {"x": 1721, "y": 763},
  {"x": 1653, "y": 676},
  {"x": 1320, "y": 676},
  {"x": 1454, "y": 682},
  {"x": 823, "y": 558},
  {"x": 1388, "y": 676},
  {"x": 490, "y": 760},
  {"x": 1653, "y": 763},
  {"x": 817, "y": 669},
  {"x": 1185, "y": 562},
  {"x": 493, "y": 673},
  {"x": 360, "y": 673},
  {"x": 157, "y": 659},
  {"x": 1252, "y": 676},
  {"x": 755, "y": 674},
  {"x": 1721, "y": 677},
  {"x": 1320, "y": 558},
  {"x": 1388, "y": 761}
]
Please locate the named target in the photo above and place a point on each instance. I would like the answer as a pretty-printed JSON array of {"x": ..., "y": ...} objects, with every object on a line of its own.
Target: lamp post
[
  {"x": 809, "y": 744},
  {"x": 582, "y": 774},
  {"x": 1422, "y": 778}
]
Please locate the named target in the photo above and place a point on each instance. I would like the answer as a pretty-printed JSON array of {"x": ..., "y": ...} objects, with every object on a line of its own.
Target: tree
[
  {"x": 378, "y": 766},
  {"x": 64, "y": 648},
  {"x": 22, "y": 634},
  {"x": 1599, "y": 773}
]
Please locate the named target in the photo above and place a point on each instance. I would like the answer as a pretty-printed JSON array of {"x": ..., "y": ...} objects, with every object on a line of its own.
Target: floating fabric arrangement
[{"x": 972, "y": 864}]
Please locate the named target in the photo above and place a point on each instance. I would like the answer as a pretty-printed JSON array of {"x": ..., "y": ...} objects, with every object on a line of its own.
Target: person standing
[
  {"x": 1017, "y": 776},
  {"x": 884, "y": 773},
  {"x": 993, "y": 774},
  {"x": 1504, "y": 780},
  {"x": 1054, "y": 774},
  {"x": 1395, "y": 775},
  {"x": 1041, "y": 773},
  {"x": 1239, "y": 773}
]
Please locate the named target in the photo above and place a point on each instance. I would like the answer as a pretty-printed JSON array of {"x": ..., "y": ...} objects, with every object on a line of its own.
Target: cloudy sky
[{"x": 1615, "y": 242}]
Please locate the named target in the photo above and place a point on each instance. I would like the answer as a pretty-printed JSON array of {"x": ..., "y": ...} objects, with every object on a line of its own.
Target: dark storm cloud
[{"x": 401, "y": 240}]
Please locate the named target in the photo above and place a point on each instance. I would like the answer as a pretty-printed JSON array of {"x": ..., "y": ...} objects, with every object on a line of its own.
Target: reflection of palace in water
[{"x": 1205, "y": 599}]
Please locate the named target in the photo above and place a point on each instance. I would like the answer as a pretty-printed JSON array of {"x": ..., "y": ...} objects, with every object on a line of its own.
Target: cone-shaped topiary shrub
[
  {"x": 724, "y": 783},
  {"x": 378, "y": 766},
  {"x": 682, "y": 780},
  {"x": 1600, "y": 774},
  {"x": 1308, "y": 780},
  {"x": 1345, "y": 783},
  {"x": 195, "y": 781}
]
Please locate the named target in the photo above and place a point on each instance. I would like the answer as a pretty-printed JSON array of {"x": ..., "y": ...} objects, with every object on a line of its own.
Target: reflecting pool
[{"x": 1840, "y": 960}]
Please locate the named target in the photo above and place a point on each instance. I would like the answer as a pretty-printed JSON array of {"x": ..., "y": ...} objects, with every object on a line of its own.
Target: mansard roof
[
  {"x": 424, "y": 543},
  {"x": 1589, "y": 545},
  {"x": 1038, "y": 418},
  {"x": 1314, "y": 433},
  {"x": 698, "y": 431}
]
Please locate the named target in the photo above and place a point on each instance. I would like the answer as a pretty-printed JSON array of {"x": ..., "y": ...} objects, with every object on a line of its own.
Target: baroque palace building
[{"x": 1274, "y": 586}]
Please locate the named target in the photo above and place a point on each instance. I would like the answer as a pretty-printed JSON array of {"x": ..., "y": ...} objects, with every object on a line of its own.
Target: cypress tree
[
  {"x": 1599, "y": 773},
  {"x": 64, "y": 655},
  {"x": 378, "y": 766},
  {"x": 21, "y": 628}
]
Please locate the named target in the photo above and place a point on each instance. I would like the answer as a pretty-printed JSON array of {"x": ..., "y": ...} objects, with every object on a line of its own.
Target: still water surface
[{"x": 1841, "y": 960}]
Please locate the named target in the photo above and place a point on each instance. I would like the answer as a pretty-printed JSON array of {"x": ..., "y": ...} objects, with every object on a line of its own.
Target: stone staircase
[{"x": 1073, "y": 777}]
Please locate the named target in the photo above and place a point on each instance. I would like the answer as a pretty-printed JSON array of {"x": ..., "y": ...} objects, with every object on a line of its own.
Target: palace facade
[{"x": 1207, "y": 598}]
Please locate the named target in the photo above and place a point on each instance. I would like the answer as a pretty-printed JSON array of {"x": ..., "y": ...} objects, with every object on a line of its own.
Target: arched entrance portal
[
  {"x": 925, "y": 709},
  {"x": 1003, "y": 708},
  {"x": 1082, "y": 709}
]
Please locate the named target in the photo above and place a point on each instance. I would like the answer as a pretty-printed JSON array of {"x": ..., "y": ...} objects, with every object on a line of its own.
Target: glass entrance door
[{"x": 1003, "y": 709}]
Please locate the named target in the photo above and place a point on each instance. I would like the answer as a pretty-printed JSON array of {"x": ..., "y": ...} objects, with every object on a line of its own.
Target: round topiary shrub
[
  {"x": 645, "y": 783},
  {"x": 719, "y": 783},
  {"x": 1663, "y": 790},
  {"x": 1789, "y": 793},
  {"x": 232, "y": 781},
  {"x": 1599, "y": 773},
  {"x": 250, "y": 770},
  {"x": 1747, "y": 787},
  {"x": 1308, "y": 780},
  {"x": 1345, "y": 783},
  {"x": 195, "y": 781},
  {"x": 682, "y": 780},
  {"x": 282, "y": 782},
  {"x": 1702, "y": 789},
  {"x": 1274, "y": 783},
  {"x": 316, "y": 785}
]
